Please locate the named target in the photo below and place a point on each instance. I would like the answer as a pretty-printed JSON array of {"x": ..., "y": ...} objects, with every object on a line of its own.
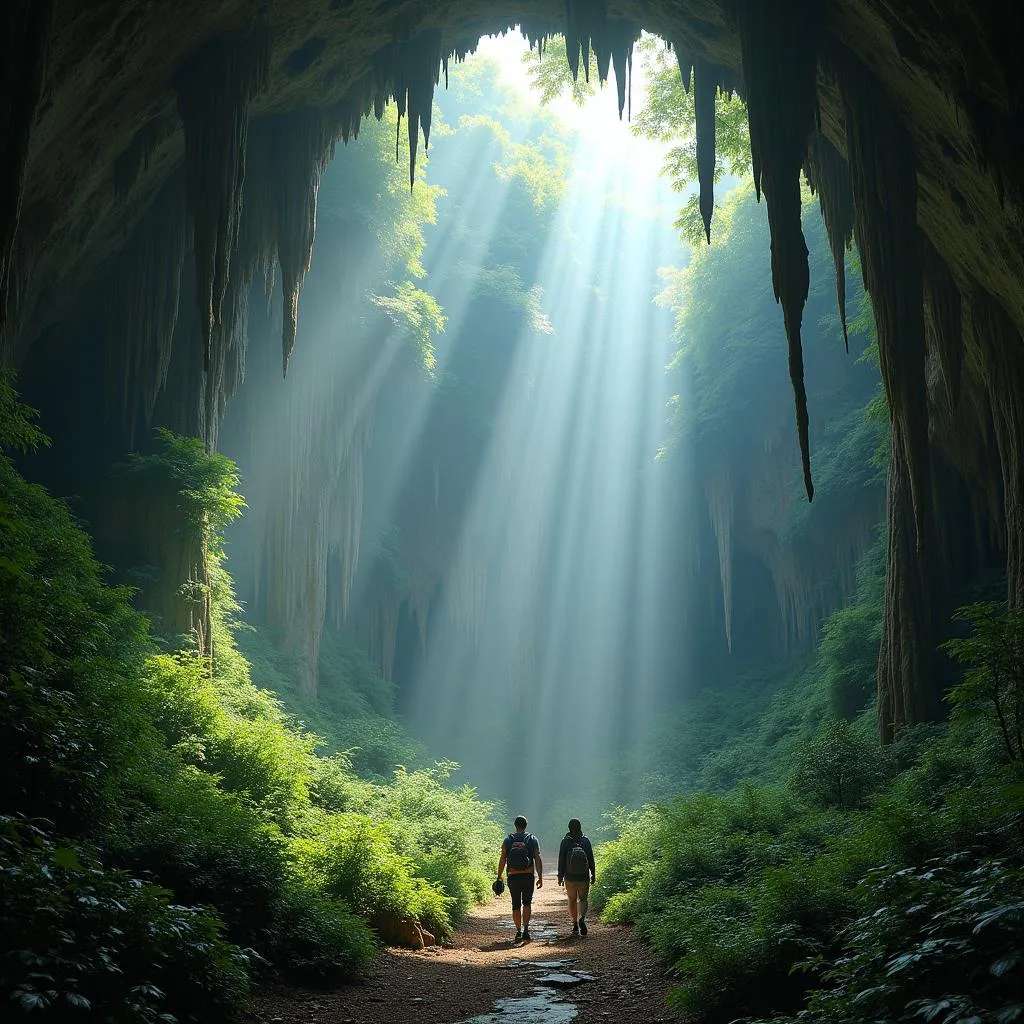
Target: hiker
[
  {"x": 521, "y": 852},
  {"x": 576, "y": 868}
]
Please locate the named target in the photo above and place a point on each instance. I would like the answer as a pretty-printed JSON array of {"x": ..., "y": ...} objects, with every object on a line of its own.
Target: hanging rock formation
[{"x": 922, "y": 101}]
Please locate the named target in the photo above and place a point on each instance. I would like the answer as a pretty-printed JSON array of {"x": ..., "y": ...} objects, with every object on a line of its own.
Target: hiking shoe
[
  {"x": 526, "y": 935},
  {"x": 583, "y": 927},
  {"x": 575, "y": 928},
  {"x": 518, "y": 938}
]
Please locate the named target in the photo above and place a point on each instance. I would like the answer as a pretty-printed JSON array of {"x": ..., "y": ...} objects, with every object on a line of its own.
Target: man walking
[
  {"x": 576, "y": 868},
  {"x": 521, "y": 852}
]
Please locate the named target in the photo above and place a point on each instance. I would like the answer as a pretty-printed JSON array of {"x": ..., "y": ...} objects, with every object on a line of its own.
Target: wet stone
[
  {"x": 540, "y": 965},
  {"x": 564, "y": 980},
  {"x": 543, "y": 1007}
]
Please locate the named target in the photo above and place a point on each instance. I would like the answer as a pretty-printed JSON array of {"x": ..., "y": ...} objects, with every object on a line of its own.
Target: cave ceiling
[
  {"x": 106, "y": 130},
  {"x": 133, "y": 133}
]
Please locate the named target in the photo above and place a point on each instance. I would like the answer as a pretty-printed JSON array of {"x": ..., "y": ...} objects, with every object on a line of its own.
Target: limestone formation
[{"x": 102, "y": 109}]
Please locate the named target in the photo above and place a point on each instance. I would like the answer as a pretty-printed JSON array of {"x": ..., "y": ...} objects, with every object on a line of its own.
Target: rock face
[{"x": 130, "y": 131}]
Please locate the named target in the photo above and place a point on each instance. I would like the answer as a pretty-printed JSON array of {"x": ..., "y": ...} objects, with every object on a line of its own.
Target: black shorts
[{"x": 520, "y": 888}]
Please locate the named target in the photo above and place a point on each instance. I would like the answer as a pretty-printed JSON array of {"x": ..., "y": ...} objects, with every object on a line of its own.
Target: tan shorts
[{"x": 574, "y": 890}]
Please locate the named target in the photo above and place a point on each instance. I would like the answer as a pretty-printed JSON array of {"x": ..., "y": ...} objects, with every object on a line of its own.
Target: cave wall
[{"x": 99, "y": 113}]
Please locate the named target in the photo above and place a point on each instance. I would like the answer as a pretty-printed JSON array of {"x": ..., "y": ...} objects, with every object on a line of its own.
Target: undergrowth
[{"x": 168, "y": 831}]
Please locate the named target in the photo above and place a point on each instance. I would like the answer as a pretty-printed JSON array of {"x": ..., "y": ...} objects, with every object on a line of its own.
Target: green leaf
[{"x": 65, "y": 857}]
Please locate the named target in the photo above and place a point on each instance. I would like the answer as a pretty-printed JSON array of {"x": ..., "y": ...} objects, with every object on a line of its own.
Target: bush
[
  {"x": 75, "y": 937},
  {"x": 70, "y": 650},
  {"x": 941, "y": 942},
  {"x": 838, "y": 768},
  {"x": 993, "y": 686},
  {"x": 355, "y": 859},
  {"x": 186, "y": 810},
  {"x": 316, "y": 940}
]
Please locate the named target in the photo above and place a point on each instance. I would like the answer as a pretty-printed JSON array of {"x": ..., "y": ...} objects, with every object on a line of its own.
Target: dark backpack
[
  {"x": 520, "y": 853},
  {"x": 578, "y": 862}
]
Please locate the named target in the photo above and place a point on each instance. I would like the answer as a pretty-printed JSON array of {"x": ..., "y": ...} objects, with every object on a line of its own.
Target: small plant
[
  {"x": 942, "y": 942},
  {"x": 992, "y": 688},
  {"x": 837, "y": 768}
]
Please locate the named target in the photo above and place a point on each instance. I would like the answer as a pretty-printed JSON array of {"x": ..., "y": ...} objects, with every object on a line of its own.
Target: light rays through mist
[{"x": 556, "y": 669}]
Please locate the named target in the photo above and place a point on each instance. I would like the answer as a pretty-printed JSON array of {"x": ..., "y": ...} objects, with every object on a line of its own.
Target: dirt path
[{"x": 445, "y": 986}]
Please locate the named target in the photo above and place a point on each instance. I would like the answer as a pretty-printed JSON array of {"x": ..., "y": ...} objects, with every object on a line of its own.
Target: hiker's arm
[
  {"x": 501, "y": 860},
  {"x": 561, "y": 861},
  {"x": 540, "y": 869},
  {"x": 593, "y": 866}
]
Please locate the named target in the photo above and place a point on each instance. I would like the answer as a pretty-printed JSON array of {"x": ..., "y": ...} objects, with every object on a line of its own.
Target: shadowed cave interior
[{"x": 194, "y": 205}]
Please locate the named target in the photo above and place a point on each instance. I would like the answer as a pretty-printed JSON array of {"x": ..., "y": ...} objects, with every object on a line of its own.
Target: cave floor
[{"x": 482, "y": 966}]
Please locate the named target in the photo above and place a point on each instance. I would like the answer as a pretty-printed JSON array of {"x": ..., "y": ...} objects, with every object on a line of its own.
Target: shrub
[
  {"x": 837, "y": 768},
  {"x": 75, "y": 937},
  {"x": 354, "y": 859},
  {"x": 941, "y": 942},
  {"x": 204, "y": 845},
  {"x": 316, "y": 940},
  {"x": 992, "y": 689}
]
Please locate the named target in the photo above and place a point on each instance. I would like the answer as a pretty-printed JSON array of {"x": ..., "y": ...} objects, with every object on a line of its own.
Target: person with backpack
[
  {"x": 520, "y": 851},
  {"x": 576, "y": 868}
]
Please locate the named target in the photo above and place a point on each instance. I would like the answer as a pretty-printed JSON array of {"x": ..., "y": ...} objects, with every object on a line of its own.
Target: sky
[{"x": 598, "y": 120}]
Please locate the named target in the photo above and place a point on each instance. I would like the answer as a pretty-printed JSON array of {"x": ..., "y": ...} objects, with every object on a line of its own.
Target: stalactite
[
  {"x": 25, "y": 30},
  {"x": 536, "y": 32},
  {"x": 300, "y": 145},
  {"x": 408, "y": 70},
  {"x": 686, "y": 62},
  {"x": 142, "y": 308},
  {"x": 584, "y": 19},
  {"x": 621, "y": 36},
  {"x": 214, "y": 89},
  {"x": 883, "y": 172},
  {"x": 828, "y": 174},
  {"x": 1000, "y": 345},
  {"x": 720, "y": 497},
  {"x": 946, "y": 314},
  {"x": 705, "y": 89},
  {"x": 779, "y": 48}
]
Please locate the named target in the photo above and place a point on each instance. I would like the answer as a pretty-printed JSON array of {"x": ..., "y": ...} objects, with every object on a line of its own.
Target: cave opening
[{"x": 613, "y": 488}]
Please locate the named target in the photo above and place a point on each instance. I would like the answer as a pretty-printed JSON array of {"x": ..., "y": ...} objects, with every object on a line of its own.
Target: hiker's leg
[
  {"x": 584, "y": 896},
  {"x": 571, "y": 892},
  {"x": 517, "y": 903},
  {"x": 527, "y": 901}
]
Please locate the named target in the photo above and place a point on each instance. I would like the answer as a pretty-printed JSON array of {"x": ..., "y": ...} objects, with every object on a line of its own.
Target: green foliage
[
  {"x": 69, "y": 649},
  {"x": 205, "y": 482},
  {"x": 354, "y": 858},
  {"x": 77, "y": 937},
  {"x": 839, "y": 768},
  {"x": 449, "y": 834},
  {"x": 850, "y": 638},
  {"x": 178, "y": 803},
  {"x": 417, "y": 314},
  {"x": 882, "y": 885},
  {"x": 354, "y": 709},
  {"x": 668, "y": 115},
  {"x": 18, "y": 430},
  {"x": 942, "y": 942},
  {"x": 992, "y": 689},
  {"x": 551, "y": 77}
]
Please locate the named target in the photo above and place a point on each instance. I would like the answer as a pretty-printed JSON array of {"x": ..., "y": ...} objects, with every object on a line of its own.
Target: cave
[{"x": 148, "y": 184}]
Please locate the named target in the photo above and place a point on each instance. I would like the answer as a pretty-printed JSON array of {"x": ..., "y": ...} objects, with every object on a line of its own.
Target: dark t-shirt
[
  {"x": 563, "y": 858},
  {"x": 531, "y": 844}
]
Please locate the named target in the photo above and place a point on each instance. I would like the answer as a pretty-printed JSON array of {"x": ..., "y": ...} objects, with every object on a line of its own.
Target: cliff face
[{"x": 136, "y": 133}]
